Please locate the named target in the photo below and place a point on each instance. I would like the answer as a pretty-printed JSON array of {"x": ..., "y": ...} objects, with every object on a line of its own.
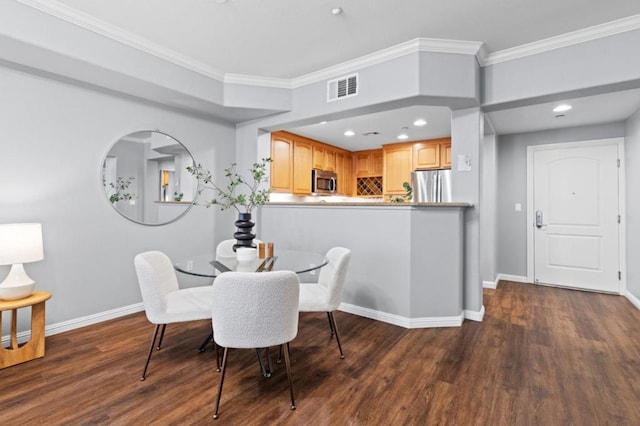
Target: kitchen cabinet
[
  {"x": 318, "y": 156},
  {"x": 344, "y": 172},
  {"x": 445, "y": 155},
  {"x": 397, "y": 168},
  {"x": 368, "y": 163},
  {"x": 324, "y": 157},
  {"x": 281, "y": 178},
  {"x": 432, "y": 154},
  {"x": 302, "y": 159}
]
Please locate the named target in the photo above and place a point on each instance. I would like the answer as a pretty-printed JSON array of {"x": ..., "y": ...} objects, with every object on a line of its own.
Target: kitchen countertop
[{"x": 367, "y": 204}]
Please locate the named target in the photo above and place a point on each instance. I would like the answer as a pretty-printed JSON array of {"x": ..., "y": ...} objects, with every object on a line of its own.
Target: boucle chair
[
  {"x": 164, "y": 302},
  {"x": 255, "y": 310},
  {"x": 326, "y": 294}
]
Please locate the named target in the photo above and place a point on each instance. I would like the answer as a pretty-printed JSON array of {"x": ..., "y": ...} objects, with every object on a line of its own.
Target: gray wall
[
  {"x": 54, "y": 140},
  {"x": 488, "y": 212},
  {"x": 632, "y": 157},
  {"x": 512, "y": 187}
]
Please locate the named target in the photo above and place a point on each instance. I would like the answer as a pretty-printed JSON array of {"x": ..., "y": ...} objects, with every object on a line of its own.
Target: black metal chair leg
[
  {"x": 164, "y": 327},
  {"x": 263, "y": 370},
  {"x": 217, "y": 356},
  {"x": 287, "y": 363},
  {"x": 330, "y": 324},
  {"x": 203, "y": 346},
  {"x": 224, "y": 369},
  {"x": 153, "y": 343},
  {"x": 332, "y": 320}
]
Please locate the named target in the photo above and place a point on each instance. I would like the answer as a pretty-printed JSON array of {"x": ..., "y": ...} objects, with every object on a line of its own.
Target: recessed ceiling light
[
  {"x": 336, "y": 10},
  {"x": 349, "y": 133},
  {"x": 420, "y": 122},
  {"x": 322, "y": 122},
  {"x": 562, "y": 108},
  {"x": 403, "y": 136}
]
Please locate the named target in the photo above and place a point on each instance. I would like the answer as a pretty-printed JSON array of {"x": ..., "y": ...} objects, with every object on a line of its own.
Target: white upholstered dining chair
[
  {"x": 164, "y": 302},
  {"x": 326, "y": 294},
  {"x": 255, "y": 310}
]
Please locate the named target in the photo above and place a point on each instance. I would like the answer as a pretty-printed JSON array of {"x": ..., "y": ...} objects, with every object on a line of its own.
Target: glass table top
[{"x": 207, "y": 265}]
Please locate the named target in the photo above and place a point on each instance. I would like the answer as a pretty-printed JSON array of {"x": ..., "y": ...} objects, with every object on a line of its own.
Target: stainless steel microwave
[{"x": 323, "y": 182}]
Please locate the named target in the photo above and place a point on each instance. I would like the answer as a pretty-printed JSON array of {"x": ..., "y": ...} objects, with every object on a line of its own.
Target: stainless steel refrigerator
[{"x": 431, "y": 186}]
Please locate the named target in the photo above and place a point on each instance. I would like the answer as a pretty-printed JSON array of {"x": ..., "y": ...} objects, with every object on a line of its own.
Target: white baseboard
[
  {"x": 633, "y": 299},
  {"x": 61, "y": 327},
  {"x": 514, "y": 278},
  {"x": 474, "y": 315},
  {"x": 425, "y": 322},
  {"x": 490, "y": 284}
]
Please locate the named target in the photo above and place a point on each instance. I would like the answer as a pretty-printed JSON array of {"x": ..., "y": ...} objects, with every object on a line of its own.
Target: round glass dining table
[{"x": 208, "y": 265}]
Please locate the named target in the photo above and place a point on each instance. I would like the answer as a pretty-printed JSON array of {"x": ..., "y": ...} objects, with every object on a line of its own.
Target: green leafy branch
[
  {"x": 406, "y": 197},
  {"x": 238, "y": 192},
  {"x": 120, "y": 189}
]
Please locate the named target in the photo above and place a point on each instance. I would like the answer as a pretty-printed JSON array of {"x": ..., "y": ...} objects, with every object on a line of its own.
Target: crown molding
[
  {"x": 88, "y": 22},
  {"x": 254, "y": 80},
  {"x": 569, "y": 39},
  {"x": 393, "y": 52}
]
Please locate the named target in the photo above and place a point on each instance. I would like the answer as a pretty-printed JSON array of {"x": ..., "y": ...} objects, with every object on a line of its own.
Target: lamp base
[{"x": 17, "y": 285}]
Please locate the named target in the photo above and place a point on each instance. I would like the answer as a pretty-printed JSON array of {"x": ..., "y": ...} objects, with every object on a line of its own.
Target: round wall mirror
[{"x": 145, "y": 178}]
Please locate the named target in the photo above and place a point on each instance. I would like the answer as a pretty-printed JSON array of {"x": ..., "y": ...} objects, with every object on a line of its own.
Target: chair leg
[
  {"x": 164, "y": 327},
  {"x": 224, "y": 369},
  {"x": 332, "y": 320},
  {"x": 203, "y": 346},
  {"x": 287, "y": 363},
  {"x": 153, "y": 342},
  {"x": 330, "y": 324}
]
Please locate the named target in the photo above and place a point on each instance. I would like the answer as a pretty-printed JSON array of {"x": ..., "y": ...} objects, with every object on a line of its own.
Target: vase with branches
[
  {"x": 119, "y": 190},
  {"x": 240, "y": 193}
]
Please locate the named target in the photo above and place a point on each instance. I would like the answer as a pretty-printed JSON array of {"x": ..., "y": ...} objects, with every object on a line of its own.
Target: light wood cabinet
[
  {"x": 318, "y": 156},
  {"x": 445, "y": 155},
  {"x": 432, "y": 154},
  {"x": 368, "y": 163},
  {"x": 281, "y": 179},
  {"x": 302, "y": 159},
  {"x": 330, "y": 159},
  {"x": 398, "y": 164},
  {"x": 344, "y": 172}
]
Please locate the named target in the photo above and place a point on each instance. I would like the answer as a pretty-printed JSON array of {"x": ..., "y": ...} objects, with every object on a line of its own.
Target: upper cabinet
[
  {"x": 432, "y": 154},
  {"x": 368, "y": 163}
]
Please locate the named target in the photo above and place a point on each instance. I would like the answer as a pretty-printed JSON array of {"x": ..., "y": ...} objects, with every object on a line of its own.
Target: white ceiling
[
  {"x": 290, "y": 38},
  {"x": 287, "y": 39}
]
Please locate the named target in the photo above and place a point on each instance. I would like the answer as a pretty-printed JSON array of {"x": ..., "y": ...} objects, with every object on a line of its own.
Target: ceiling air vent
[{"x": 342, "y": 87}]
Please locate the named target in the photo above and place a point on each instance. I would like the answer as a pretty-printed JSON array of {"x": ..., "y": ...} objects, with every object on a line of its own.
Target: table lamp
[{"x": 19, "y": 243}]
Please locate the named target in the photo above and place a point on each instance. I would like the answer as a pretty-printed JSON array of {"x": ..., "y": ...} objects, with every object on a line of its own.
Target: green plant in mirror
[
  {"x": 240, "y": 193},
  {"x": 407, "y": 195},
  {"x": 120, "y": 189}
]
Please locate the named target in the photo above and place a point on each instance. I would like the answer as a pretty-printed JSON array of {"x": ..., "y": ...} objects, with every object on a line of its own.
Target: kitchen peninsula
[{"x": 407, "y": 259}]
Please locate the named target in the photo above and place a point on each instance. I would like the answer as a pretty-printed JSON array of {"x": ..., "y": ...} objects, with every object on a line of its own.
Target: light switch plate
[{"x": 518, "y": 207}]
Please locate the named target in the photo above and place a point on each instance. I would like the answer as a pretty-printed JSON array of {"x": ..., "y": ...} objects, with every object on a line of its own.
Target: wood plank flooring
[{"x": 542, "y": 356}]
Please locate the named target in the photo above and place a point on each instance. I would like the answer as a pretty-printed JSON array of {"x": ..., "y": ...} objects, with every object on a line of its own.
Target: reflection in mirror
[{"x": 146, "y": 180}]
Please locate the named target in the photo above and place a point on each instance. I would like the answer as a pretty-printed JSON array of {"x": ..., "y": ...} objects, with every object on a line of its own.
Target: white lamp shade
[{"x": 20, "y": 243}]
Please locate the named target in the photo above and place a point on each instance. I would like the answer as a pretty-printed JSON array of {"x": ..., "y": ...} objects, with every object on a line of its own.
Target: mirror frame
[{"x": 148, "y": 177}]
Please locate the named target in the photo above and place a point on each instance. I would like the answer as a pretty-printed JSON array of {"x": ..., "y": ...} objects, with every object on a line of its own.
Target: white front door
[{"x": 576, "y": 216}]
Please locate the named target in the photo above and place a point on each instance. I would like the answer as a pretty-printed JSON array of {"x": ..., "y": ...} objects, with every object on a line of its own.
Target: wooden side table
[{"x": 34, "y": 348}]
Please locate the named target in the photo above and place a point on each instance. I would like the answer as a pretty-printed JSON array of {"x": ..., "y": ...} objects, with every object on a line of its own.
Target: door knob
[{"x": 539, "y": 223}]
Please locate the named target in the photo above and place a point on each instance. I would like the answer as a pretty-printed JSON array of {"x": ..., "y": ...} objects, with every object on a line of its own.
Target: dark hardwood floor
[{"x": 542, "y": 356}]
